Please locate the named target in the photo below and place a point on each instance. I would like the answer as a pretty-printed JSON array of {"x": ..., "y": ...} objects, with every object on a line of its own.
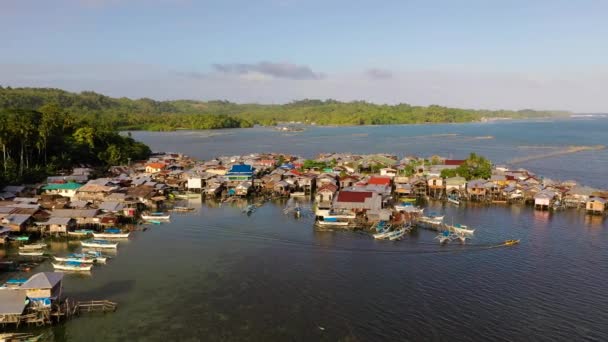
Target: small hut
[{"x": 596, "y": 205}]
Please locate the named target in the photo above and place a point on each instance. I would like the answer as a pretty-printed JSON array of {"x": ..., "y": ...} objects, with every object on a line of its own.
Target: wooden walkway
[{"x": 96, "y": 306}]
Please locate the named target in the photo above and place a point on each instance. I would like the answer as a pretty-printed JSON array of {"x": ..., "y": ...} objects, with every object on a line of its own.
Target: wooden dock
[{"x": 96, "y": 306}]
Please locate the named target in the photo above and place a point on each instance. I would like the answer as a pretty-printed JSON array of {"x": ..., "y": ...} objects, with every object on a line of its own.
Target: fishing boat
[
  {"x": 182, "y": 209},
  {"x": 72, "y": 266},
  {"x": 408, "y": 207},
  {"x": 453, "y": 200},
  {"x": 383, "y": 230},
  {"x": 460, "y": 237},
  {"x": 85, "y": 258},
  {"x": 99, "y": 244},
  {"x": 249, "y": 209},
  {"x": 32, "y": 246},
  {"x": 81, "y": 232},
  {"x": 431, "y": 220},
  {"x": 298, "y": 211},
  {"x": 156, "y": 216},
  {"x": 511, "y": 242},
  {"x": 397, "y": 234},
  {"x": 153, "y": 222},
  {"x": 14, "y": 283},
  {"x": 461, "y": 229},
  {"x": 444, "y": 237},
  {"x": 331, "y": 221},
  {"x": 112, "y": 233},
  {"x": 186, "y": 195},
  {"x": 31, "y": 253}
]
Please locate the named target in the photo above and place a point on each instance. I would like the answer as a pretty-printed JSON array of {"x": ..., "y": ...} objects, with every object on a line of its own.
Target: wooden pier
[{"x": 96, "y": 306}]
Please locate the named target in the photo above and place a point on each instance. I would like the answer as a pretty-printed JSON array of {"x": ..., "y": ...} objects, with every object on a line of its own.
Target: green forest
[
  {"x": 147, "y": 114},
  {"x": 37, "y": 143}
]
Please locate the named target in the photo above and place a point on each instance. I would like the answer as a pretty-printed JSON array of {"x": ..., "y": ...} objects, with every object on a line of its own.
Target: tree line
[
  {"x": 36, "y": 143},
  {"x": 148, "y": 114}
]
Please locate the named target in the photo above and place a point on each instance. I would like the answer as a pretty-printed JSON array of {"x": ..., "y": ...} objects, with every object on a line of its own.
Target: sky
[{"x": 540, "y": 54}]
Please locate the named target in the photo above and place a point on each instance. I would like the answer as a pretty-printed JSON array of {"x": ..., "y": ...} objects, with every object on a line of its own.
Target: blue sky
[{"x": 468, "y": 53}]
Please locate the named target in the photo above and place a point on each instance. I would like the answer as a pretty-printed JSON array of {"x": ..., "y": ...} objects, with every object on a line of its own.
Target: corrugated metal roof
[
  {"x": 43, "y": 280},
  {"x": 353, "y": 196},
  {"x": 12, "y": 302}
]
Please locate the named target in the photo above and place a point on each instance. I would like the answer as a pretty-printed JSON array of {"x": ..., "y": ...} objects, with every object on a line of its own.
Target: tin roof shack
[
  {"x": 82, "y": 217},
  {"x": 348, "y": 181},
  {"x": 544, "y": 200},
  {"x": 358, "y": 201},
  {"x": 16, "y": 190},
  {"x": 63, "y": 189},
  {"x": 596, "y": 205},
  {"x": 94, "y": 192},
  {"x": 43, "y": 287},
  {"x": 476, "y": 189},
  {"x": 435, "y": 186},
  {"x": 16, "y": 222},
  {"x": 12, "y": 305},
  {"x": 456, "y": 186},
  {"x": 325, "y": 195},
  {"x": 57, "y": 225},
  {"x": 578, "y": 196}
]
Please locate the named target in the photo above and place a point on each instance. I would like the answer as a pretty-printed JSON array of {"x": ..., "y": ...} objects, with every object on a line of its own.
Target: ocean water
[{"x": 218, "y": 275}]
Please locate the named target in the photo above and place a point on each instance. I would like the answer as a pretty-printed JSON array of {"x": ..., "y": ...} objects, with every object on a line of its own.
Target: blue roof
[{"x": 241, "y": 168}]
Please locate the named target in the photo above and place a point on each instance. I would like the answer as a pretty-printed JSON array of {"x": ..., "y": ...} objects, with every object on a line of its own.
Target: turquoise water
[{"x": 219, "y": 275}]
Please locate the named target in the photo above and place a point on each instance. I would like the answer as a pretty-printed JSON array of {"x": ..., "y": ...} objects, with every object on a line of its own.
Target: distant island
[{"x": 147, "y": 114}]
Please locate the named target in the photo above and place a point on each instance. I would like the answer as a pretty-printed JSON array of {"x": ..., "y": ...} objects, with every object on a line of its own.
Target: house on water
[
  {"x": 240, "y": 173},
  {"x": 596, "y": 205}
]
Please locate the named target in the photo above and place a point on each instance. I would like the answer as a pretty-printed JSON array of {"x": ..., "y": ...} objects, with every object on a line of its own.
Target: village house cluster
[{"x": 346, "y": 183}]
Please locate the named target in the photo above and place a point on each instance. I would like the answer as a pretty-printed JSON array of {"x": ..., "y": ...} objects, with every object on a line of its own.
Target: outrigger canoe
[{"x": 511, "y": 242}]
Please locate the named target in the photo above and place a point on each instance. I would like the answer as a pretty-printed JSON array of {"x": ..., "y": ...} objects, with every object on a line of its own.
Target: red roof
[
  {"x": 329, "y": 187},
  {"x": 354, "y": 196},
  {"x": 455, "y": 162},
  {"x": 379, "y": 180},
  {"x": 156, "y": 165}
]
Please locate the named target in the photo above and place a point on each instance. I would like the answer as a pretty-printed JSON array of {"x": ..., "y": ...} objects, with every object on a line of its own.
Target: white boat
[
  {"x": 432, "y": 220},
  {"x": 72, "y": 266},
  {"x": 444, "y": 237},
  {"x": 186, "y": 195},
  {"x": 333, "y": 223},
  {"x": 156, "y": 216},
  {"x": 182, "y": 209},
  {"x": 112, "y": 233},
  {"x": 99, "y": 244},
  {"x": 461, "y": 229},
  {"x": 397, "y": 234},
  {"x": 33, "y": 246},
  {"x": 409, "y": 208},
  {"x": 84, "y": 258},
  {"x": 453, "y": 201},
  {"x": 27, "y": 253},
  {"x": 81, "y": 232}
]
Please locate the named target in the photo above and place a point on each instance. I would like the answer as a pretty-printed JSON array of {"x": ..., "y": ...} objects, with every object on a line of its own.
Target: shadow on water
[{"x": 111, "y": 289}]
